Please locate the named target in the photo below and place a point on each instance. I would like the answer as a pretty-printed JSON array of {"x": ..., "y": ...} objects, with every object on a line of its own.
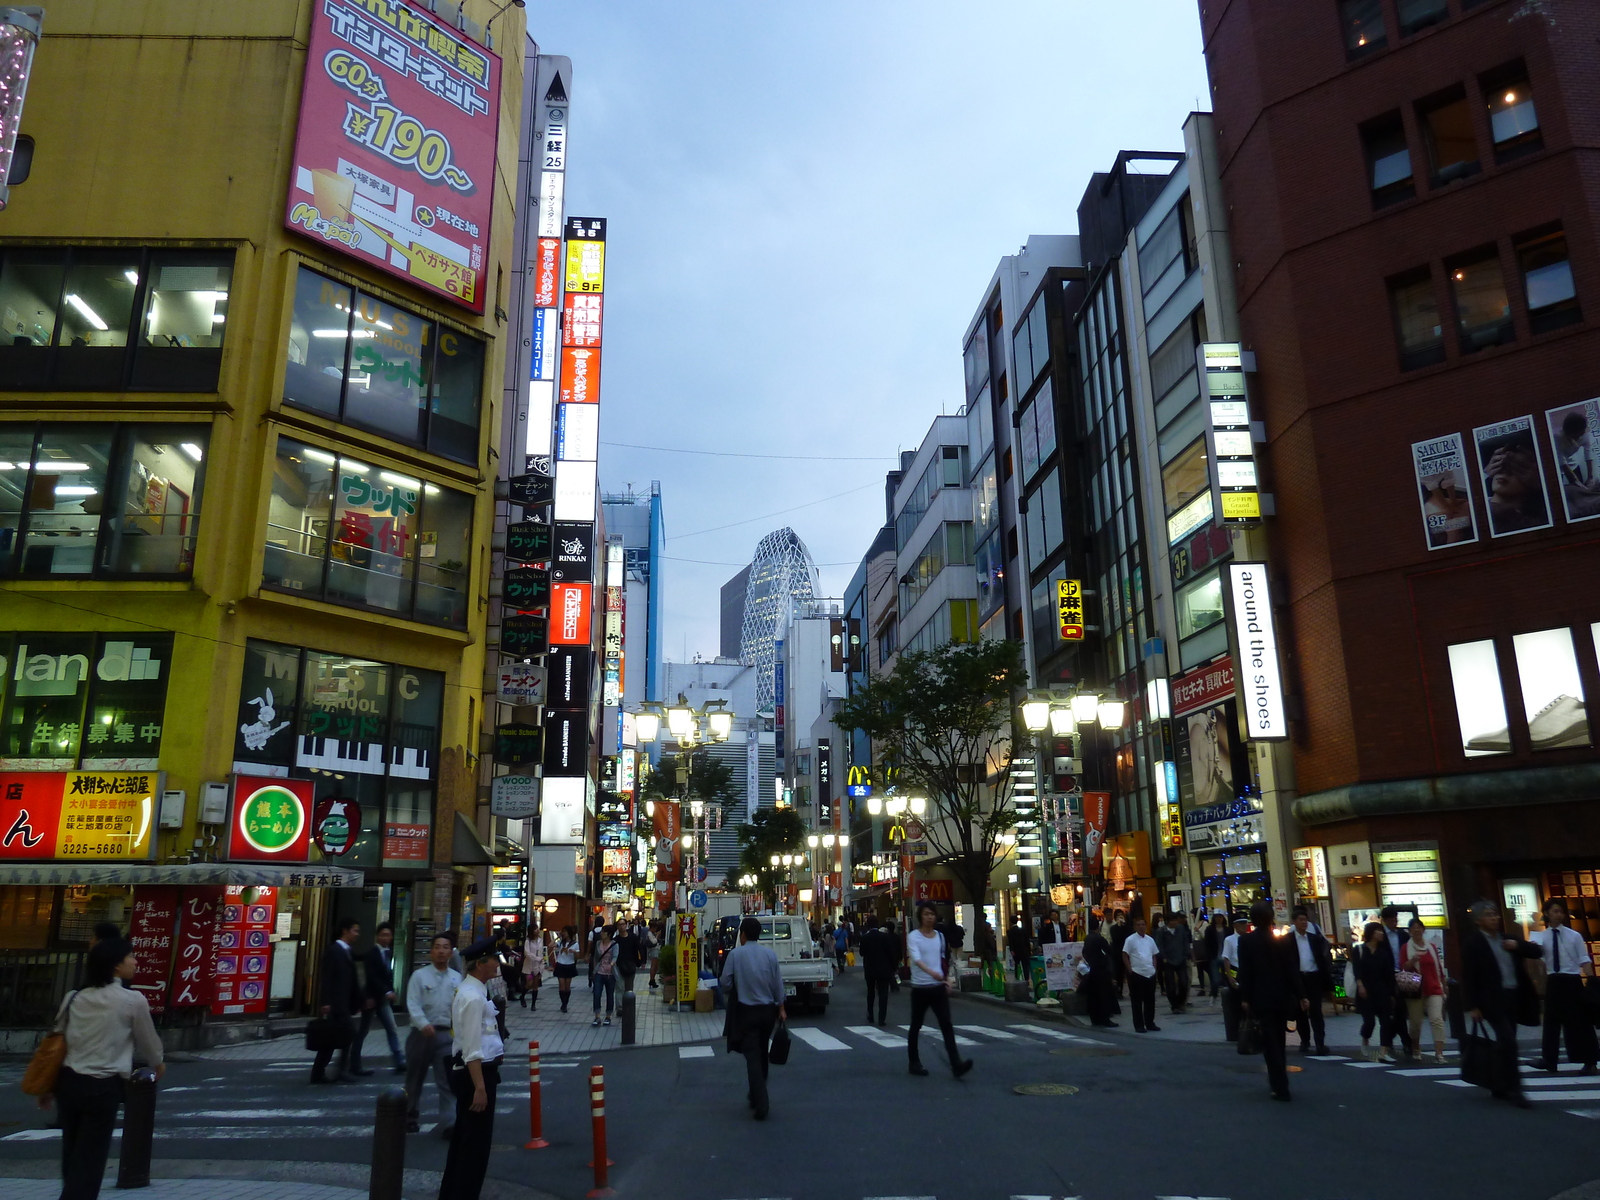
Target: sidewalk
[{"x": 205, "y": 1179}]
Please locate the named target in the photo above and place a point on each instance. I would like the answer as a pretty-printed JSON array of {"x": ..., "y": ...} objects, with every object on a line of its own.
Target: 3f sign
[{"x": 1260, "y": 678}]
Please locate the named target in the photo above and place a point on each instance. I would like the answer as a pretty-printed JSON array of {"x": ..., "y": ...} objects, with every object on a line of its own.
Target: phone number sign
[{"x": 395, "y": 151}]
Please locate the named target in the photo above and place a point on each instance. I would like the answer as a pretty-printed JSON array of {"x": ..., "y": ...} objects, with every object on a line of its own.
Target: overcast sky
[{"x": 805, "y": 203}]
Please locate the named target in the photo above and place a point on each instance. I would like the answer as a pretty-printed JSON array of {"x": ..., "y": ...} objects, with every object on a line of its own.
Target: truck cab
[{"x": 807, "y": 971}]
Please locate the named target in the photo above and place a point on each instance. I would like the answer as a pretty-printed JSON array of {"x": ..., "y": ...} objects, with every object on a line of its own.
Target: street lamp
[
  {"x": 814, "y": 841},
  {"x": 919, "y": 805},
  {"x": 1085, "y": 708},
  {"x": 1061, "y": 721},
  {"x": 1110, "y": 713},
  {"x": 875, "y": 805},
  {"x": 1036, "y": 714},
  {"x": 777, "y": 859},
  {"x": 647, "y": 725},
  {"x": 680, "y": 720}
]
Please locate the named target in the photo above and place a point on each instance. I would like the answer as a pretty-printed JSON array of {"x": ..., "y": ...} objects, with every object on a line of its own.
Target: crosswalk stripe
[
  {"x": 1364, "y": 1065},
  {"x": 997, "y": 1033},
  {"x": 1556, "y": 1081},
  {"x": 932, "y": 1030},
  {"x": 1588, "y": 1095},
  {"x": 1427, "y": 1072},
  {"x": 818, "y": 1040},
  {"x": 1592, "y": 1113},
  {"x": 881, "y": 1036},
  {"x": 1041, "y": 1031},
  {"x": 696, "y": 1052},
  {"x": 1326, "y": 1057}
]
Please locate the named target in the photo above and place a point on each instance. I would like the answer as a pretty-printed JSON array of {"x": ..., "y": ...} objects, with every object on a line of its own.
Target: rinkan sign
[{"x": 1259, "y": 678}]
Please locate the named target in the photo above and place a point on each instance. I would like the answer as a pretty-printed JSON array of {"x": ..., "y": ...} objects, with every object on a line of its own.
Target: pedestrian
[
  {"x": 1496, "y": 991},
  {"x": 533, "y": 968},
  {"x": 1211, "y": 962},
  {"x": 1097, "y": 987},
  {"x": 1395, "y": 940},
  {"x": 899, "y": 956},
  {"x": 474, "y": 1075},
  {"x": 879, "y": 958},
  {"x": 1230, "y": 977},
  {"x": 566, "y": 968},
  {"x": 1420, "y": 956},
  {"x": 379, "y": 964},
  {"x": 430, "y": 992},
  {"x": 340, "y": 999},
  {"x": 630, "y": 955},
  {"x": 1314, "y": 960},
  {"x": 1270, "y": 990},
  {"x": 1141, "y": 963},
  {"x": 984, "y": 942},
  {"x": 652, "y": 945},
  {"x": 1050, "y": 930},
  {"x": 105, "y": 931},
  {"x": 841, "y": 943},
  {"x": 1176, "y": 949},
  {"x": 1375, "y": 993},
  {"x": 753, "y": 983},
  {"x": 603, "y": 974},
  {"x": 104, "y": 1022},
  {"x": 1021, "y": 947},
  {"x": 930, "y": 990},
  {"x": 508, "y": 950},
  {"x": 1120, "y": 929},
  {"x": 1566, "y": 960},
  {"x": 593, "y": 938}
]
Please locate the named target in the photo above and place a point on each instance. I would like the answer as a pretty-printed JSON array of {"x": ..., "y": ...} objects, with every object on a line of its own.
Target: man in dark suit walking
[
  {"x": 379, "y": 965},
  {"x": 339, "y": 999},
  {"x": 1270, "y": 990},
  {"x": 1315, "y": 963},
  {"x": 1496, "y": 990},
  {"x": 879, "y": 961}
]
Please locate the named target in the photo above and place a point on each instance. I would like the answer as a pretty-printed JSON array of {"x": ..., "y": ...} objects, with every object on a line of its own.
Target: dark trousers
[
  {"x": 1175, "y": 981},
  {"x": 1273, "y": 1025},
  {"x": 756, "y": 1022},
  {"x": 319, "y": 1065},
  {"x": 604, "y": 985},
  {"x": 88, "y": 1108},
  {"x": 1142, "y": 995},
  {"x": 1380, "y": 1012},
  {"x": 937, "y": 1001},
  {"x": 1310, "y": 1024},
  {"x": 878, "y": 989},
  {"x": 1507, "y": 1067},
  {"x": 626, "y": 976},
  {"x": 1400, "y": 1022},
  {"x": 1564, "y": 1010},
  {"x": 473, "y": 1135},
  {"x": 425, "y": 1054},
  {"x": 1097, "y": 996}
]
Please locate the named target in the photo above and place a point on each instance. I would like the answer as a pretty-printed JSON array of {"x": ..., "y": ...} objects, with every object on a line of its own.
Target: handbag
[
  {"x": 44, "y": 1068},
  {"x": 1408, "y": 983},
  {"x": 1250, "y": 1036},
  {"x": 1477, "y": 1056},
  {"x": 324, "y": 1033},
  {"x": 778, "y": 1052}
]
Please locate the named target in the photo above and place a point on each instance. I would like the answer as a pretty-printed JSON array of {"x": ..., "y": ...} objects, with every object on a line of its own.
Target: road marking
[
  {"x": 1592, "y": 1113},
  {"x": 998, "y": 1033},
  {"x": 1326, "y": 1057},
  {"x": 880, "y": 1036},
  {"x": 1428, "y": 1072},
  {"x": 1563, "y": 1095},
  {"x": 1041, "y": 1031},
  {"x": 1369, "y": 1066},
  {"x": 818, "y": 1040},
  {"x": 255, "y": 1114},
  {"x": 1553, "y": 1081},
  {"x": 932, "y": 1031},
  {"x": 695, "y": 1052}
]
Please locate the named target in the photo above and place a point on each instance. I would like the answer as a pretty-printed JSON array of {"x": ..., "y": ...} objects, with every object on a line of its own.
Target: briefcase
[
  {"x": 1477, "y": 1057},
  {"x": 325, "y": 1033},
  {"x": 778, "y": 1052}
]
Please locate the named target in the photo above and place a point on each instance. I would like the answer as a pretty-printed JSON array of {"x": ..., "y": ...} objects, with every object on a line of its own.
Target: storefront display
[{"x": 1408, "y": 874}]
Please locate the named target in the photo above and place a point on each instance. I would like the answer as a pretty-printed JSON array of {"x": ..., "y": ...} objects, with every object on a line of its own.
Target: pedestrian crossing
[
  {"x": 857, "y": 1037},
  {"x": 1565, "y": 1086},
  {"x": 1018, "y": 1197}
]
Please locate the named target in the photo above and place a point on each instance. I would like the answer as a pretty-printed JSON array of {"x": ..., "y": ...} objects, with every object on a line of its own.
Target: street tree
[
  {"x": 710, "y": 780},
  {"x": 770, "y": 831},
  {"x": 942, "y": 719}
]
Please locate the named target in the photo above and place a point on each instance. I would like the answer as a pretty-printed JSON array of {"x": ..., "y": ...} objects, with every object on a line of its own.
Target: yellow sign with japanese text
[
  {"x": 586, "y": 266},
  {"x": 1069, "y": 608},
  {"x": 107, "y": 814},
  {"x": 688, "y": 956}
]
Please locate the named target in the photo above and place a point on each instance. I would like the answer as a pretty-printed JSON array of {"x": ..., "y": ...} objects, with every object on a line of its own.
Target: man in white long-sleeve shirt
[
  {"x": 474, "y": 1074},
  {"x": 429, "y": 995},
  {"x": 1566, "y": 961}
]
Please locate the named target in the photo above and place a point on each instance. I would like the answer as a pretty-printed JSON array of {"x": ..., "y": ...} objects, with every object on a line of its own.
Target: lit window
[
  {"x": 1362, "y": 21},
  {"x": 1447, "y": 130},
  {"x": 1419, "y": 14},
  {"x": 1417, "y": 324},
  {"x": 1480, "y": 703},
  {"x": 1513, "y": 120},
  {"x": 1200, "y": 605},
  {"x": 1483, "y": 311},
  {"x": 1552, "y": 691},
  {"x": 1547, "y": 279},
  {"x": 1388, "y": 160}
]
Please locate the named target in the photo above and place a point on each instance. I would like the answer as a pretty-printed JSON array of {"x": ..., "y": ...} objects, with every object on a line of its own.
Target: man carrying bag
[
  {"x": 1498, "y": 995},
  {"x": 753, "y": 983}
]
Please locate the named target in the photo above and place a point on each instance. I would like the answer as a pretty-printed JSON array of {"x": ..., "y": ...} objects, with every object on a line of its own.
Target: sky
[{"x": 805, "y": 203}]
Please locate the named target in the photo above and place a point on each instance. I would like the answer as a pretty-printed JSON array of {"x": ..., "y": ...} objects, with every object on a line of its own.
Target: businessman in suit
[
  {"x": 379, "y": 986},
  {"x": 1315, "y": 963},
  {"x": 1270, "y": 990},
  {"x": 339, "y": 999},
  {"x": 1496, "y": 990}
]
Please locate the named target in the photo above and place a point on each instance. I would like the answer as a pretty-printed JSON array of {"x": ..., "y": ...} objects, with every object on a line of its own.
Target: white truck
[{"x": 807, "y": 971}]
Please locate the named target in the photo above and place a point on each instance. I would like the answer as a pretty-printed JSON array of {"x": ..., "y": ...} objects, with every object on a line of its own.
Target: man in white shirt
[
  {"x": 1141, "y": 962},
  {"x": 1230, "y": 974},
  {"x": 430, "y": 993},
  {"x": 474, "y": 1074},
  {"x": 1566, "y": 961}
]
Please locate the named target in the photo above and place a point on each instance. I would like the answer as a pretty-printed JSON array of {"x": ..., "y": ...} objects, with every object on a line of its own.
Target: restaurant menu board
[
  {"x": 193, "y": 974},
  {"x": 243, "y": 954},
  {"x": 152, "y": 926},
  {"x": 395, "y": 151}
]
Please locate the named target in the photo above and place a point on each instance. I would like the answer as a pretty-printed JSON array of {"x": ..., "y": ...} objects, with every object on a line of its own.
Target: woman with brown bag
[{"x": 103, "y": 1022}]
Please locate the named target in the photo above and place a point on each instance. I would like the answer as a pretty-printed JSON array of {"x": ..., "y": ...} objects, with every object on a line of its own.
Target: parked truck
[{"x": 806, "y": 968}]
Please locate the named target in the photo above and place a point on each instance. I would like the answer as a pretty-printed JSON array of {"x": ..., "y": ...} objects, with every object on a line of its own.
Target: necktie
[{"x": 1555, "y": 948}]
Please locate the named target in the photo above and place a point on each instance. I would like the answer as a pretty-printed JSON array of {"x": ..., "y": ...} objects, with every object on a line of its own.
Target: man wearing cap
[
  {"x": 1230, "y": 969},
  {"x": 474, "y": 1074}
]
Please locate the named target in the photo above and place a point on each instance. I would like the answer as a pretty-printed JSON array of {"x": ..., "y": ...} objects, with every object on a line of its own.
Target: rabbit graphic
[{"x": 262, "y": 730}]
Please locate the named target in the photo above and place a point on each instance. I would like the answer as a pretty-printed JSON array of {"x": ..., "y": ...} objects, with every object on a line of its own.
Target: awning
[
  {"x": 231, "y": 874},
  {"x": 467, "y": 848}
]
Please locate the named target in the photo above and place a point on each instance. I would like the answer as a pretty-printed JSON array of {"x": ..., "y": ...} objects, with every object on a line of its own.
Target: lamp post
[{"x": 692, "y": 730}]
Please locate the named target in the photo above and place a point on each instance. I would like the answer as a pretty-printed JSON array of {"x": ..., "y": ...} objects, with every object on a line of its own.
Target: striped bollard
[
  {"x": 597, "y": 1113},
  {"x": 535, "y": 1102}
]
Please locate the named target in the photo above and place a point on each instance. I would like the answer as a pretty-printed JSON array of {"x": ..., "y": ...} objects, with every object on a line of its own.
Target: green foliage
[
  {"x": 771, "y": 831},
  {"x": 942, "y": 717},
  {"x": 710, "y": 780}
]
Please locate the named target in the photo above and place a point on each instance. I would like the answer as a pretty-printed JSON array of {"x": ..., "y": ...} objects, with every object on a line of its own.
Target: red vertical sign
[
  {"x": 1096, "y": 812},
  {"x": 150, "y": 931},
  {"x": 192, "y": 983},
  {"x": 244, "y": 951}
]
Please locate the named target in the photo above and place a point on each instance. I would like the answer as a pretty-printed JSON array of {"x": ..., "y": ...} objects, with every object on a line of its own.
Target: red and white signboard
[
  {"x": 152, "y": 927},
  {"x": 570, "y": 608},
  {"x": 243, "y": 955},
  {"x": 271, "y": 820},
  {"x": 395, "y": 153},
  {"x": 547, "y": 273},
  {"x": 1202, "y": 687},
  {"x": 193, "y": 974}
]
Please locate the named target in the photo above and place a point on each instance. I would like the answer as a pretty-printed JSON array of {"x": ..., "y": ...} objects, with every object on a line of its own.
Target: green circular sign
[{"x": 273, "y": 819}]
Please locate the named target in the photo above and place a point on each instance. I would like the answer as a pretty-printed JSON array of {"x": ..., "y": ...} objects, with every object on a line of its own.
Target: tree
[
  {"x": 771, "y": 831},
  {"x": 710, "y": 779},
  {"x": 942, "y": 718}
]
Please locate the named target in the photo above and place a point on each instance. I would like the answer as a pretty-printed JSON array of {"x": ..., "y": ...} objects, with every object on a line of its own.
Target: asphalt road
[{"x": 1148, "y": 1119}]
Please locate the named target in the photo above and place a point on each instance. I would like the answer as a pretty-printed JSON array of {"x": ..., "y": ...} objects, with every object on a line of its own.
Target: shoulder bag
[
  {"x": 45, "y": 1066},
  {"x": 1408, "y": 981},
  {"x": 778, "y": 1052}
]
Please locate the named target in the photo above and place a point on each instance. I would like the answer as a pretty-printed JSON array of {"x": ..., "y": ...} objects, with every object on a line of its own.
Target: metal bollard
[
  {"x": 628, "y": 1017},
  {"x": 535, "y": 1102},
  {"x": 597, "y": 1113},
  {"x": 388, "y": 1146},
  {"x": 138, "y": 1130}
]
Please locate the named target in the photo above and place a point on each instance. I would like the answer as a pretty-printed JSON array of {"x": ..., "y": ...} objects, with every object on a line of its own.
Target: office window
[
  {"x": 1416, "y": 15},
  {"x": 1185, "y": 477},
  {"x": 886, "y": 642},
  {"x": 1362, "y": 21},
  {"x": 1480, "y": 703},
  {"x": 83, "y": 319},
  {"x": 1172, "y": 362},
  {"x": 352, "y": 533},
  {"x": 975, "y": 359},
  {"x": 362, "y": 360},
  {"x": 1513, "y": 120},
  {"x": 1165, "y": 247},
  {"x": 1552, "y": 690},
  {"x": 100, "y": 500},
  {"x": 1388, "y": 160},
  {"x": 1447, "y": 132},
  {"x": 1483, "y": 311},
  {"x": 1547, "y": 279},
  {"x": 1200, "y": 604},
  {"x": 1417, "y": 323},
  {"x": 985, "y": 499}
]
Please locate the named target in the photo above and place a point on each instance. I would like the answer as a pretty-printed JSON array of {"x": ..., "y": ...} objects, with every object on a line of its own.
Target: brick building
[{"x": 1412, "y": 189}]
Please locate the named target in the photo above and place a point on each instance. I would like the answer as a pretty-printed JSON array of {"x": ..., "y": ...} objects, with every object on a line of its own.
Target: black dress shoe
[
  {"x": 359, "y": 1071},
  {"x": 1153, "y": 1028},
  {"x": 961, "y": 1068},
  {"x": 413, "y": 1127},
  {"x": 1280, "y": 1095},
  {"x": 1541, "y": 1065},
  {"x": 1322, "y": 1051},
  {"x": 1519, "y": 1100},
  {"x": 761, "y": 1114},
  {"x": 918, "y": 1069}
]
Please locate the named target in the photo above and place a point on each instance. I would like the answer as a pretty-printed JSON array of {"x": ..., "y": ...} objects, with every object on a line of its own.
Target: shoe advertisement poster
[
  {"x": 1552, "y": 690},
  {"x": 1441, "y": 467},
  {"x": 394, "y": 155},
  {"x": 1513, "y": 483},
  {"x": 1575, "y": 442}
]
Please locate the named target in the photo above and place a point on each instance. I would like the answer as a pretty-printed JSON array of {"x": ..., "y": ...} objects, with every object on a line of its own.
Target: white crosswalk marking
[
  {"x": 1058, "y": 1035},
  {"x": 881, "y": 1037},
  {"x": 818, "y": 1040},
  {"x": 1427, "y": 1072},
  {"x": 933, "y": 1030},
  {"x": 696, "y": 1052},
  {"x": 995, "y": 1033}
]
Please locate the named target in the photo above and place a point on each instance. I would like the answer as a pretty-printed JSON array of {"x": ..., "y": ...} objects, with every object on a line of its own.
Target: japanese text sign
[
  {"x": 271, "y": 820},
  {"x": 79, "y": 815},
  {"x": 193, "y": 978},
  {"x": 394, "y": 157},
  {"x": 242, "y": 959},
  {"x": 1069, "y": 604},
  {"x": 152, "y": 927}
]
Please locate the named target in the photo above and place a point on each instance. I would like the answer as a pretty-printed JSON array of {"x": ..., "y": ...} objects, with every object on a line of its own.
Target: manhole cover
[
  {"x": 1089, "y": 1051},
  {"x": 1045, "y": 1089}
]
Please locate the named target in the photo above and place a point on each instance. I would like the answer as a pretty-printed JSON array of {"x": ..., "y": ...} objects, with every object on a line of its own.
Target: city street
[{"x": 1149, "y": 1117}]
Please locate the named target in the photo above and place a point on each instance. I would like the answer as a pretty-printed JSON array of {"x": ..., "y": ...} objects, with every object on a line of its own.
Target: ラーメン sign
[
  {"x": 1259, "y": 678},
  {"x": 271, "y": 820}
]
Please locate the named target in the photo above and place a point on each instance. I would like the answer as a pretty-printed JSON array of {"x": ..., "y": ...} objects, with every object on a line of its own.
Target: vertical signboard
[
  {"x": 1230, "y": 444},
  {"x": 1441, "y": 470},
  {"x": 244, "y": 950},
  {"x": 1069, "y": 609},
  {"x": 151, "y": 928},
  {"x": 688, "y": 956},
  {"x": 1260, "y": 679},
  {"x": 394, "y": 158},
  {"x": 192, "y": 977}
]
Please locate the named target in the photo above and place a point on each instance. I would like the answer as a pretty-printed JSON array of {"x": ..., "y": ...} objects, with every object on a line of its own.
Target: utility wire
[{"x": 779, "y": 513}]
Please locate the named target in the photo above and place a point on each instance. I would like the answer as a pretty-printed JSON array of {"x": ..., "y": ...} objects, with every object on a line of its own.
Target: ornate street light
[{"x": 1085, "y": 708}]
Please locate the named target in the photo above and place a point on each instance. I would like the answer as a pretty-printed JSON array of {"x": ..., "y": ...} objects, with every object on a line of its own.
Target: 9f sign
[{"x": 1259, "y": 677}]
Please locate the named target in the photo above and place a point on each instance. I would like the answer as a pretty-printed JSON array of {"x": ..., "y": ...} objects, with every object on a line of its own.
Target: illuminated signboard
[
  {"x": 85, "y": 816},
  {"x": 1069, "y": 609},
  {"x": 570, "y": 607},
  {"x": 1230, "y": 444},
  {"x": 271, "y": 820},
  {"x": 1260, "y": 679}
]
